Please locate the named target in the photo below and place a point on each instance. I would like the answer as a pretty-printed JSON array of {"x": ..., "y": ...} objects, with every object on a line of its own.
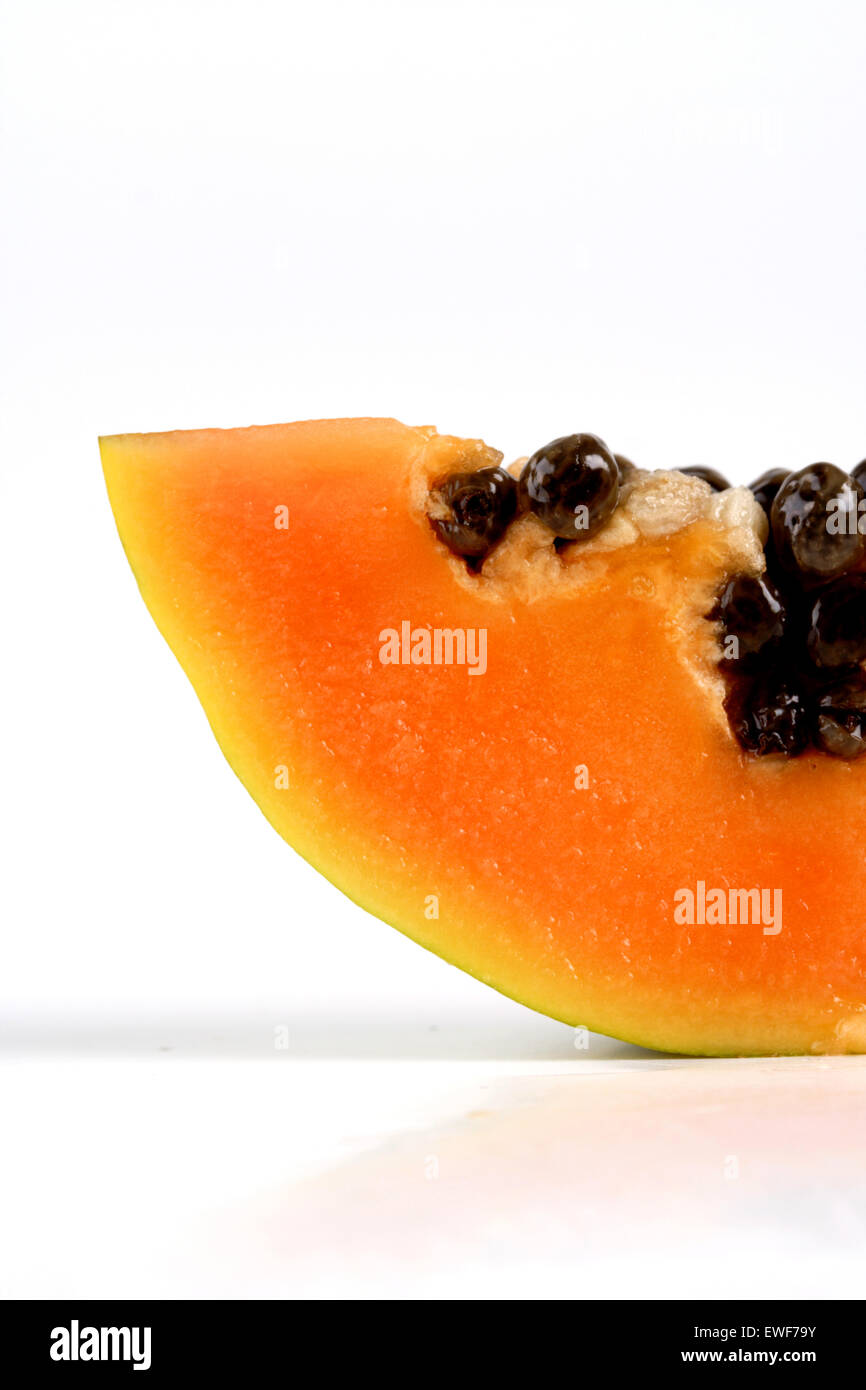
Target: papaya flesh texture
[{"x": 540, "y": 822}]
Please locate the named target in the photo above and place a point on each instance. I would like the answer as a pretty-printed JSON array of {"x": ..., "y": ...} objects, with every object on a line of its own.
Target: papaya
[{"x": 499, "y": 709}]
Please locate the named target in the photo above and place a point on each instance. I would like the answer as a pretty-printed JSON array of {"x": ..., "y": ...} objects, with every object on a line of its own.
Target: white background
[{"x": 511, "y": 220}]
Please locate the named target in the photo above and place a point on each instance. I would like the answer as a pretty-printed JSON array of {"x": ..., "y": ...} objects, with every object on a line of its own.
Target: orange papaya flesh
[{"x": 543, "y": 789}]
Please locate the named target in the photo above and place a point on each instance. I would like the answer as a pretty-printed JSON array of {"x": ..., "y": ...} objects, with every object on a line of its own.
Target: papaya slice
[{"x": 525, "y": 765}]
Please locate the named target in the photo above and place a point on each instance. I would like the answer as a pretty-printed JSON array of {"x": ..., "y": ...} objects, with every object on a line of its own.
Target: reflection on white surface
[
  {"x": 621, "y": 1178},
  {"x": 171, "y": 1159},
  {"x": 498, "y": 1031}
]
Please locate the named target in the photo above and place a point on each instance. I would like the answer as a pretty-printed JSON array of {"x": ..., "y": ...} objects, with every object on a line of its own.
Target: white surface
[
  {"x": 617, "y": 1174},
  {"x": 506, "y": 219}
]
